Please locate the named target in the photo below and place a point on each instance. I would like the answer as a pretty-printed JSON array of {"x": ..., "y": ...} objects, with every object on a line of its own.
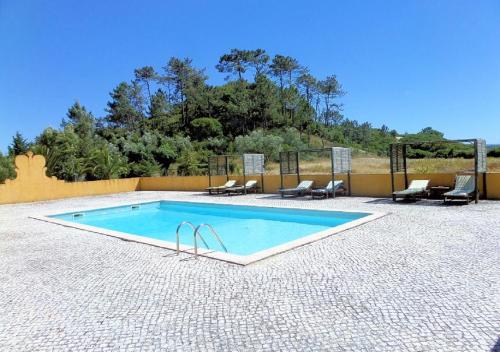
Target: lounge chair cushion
[
  {"x": 415, "y": 187},
  {"x": 409, "y": 191},
  {"x": 228, "y": 184},
  {"x": 329, "y": 187},
  {"x": 419, "y": 184},
  {"x": 457, "y": 193},
  {"x": 304, "y": 185},
  {"x": 464, "y": 186},
  {"x": 250, "y": 185}
]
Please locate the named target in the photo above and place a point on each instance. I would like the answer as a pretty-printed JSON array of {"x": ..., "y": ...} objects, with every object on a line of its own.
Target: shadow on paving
[
  {"x": 301, "y": 198},
  {"x": 496, "y": 347},
  {"x": 379, "y": 201},
  {"x": 422, "y": 202},
  {"x": 259, "y": 196}
]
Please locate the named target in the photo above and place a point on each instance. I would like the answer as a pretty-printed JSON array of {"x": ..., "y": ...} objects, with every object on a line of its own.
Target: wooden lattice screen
[
  {"x": 218, "y": 165},
  {"x": 289, "y": 163},
  {"x": 341, "y": 160},
  {"x": 253, "y": 164},
  {"x": 396, "y": 155},
  {"x": 481, "y": 156}
]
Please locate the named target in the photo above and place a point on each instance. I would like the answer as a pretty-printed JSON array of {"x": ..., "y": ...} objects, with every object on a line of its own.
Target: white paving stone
[{"x": 424, "y": 278}]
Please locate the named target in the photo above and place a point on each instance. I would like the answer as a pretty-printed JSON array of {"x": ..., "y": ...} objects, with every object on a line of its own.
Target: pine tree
[{"x": 19, "y": 145}]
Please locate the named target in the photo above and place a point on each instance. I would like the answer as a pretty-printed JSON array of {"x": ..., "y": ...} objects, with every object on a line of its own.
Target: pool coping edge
[{"x": 227, "y": 257}]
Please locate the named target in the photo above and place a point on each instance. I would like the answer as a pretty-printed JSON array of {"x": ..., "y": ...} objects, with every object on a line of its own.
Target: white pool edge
[{"x": 227, "y": 257}]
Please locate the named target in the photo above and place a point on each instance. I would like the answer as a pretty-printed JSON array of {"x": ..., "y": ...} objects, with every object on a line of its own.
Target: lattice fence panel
[
  {"x": 341, "y": 160},
  {"x": 218, "y": 165},
  {"x": 289, "y": 163},
  {"x": 254, "y": 164},
  {"x": 397, "y": 157},
  {"x": 481, "y": 156}
]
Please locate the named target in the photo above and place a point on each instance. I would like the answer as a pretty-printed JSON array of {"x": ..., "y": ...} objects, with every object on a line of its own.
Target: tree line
[{"x": 169, "y": 120}]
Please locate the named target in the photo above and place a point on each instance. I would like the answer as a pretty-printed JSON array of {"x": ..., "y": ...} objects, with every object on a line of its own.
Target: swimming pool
[{"x": 249, "y": 233}]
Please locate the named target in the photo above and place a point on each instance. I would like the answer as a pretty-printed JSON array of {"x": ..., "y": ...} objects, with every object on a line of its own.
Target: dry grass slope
[{"x": 375, "y": 165}]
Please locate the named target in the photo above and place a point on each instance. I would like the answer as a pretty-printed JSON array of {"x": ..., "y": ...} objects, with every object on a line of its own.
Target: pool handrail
[
  {"x": 194, "y": 235},
  {"x": 214, "y": 233}
]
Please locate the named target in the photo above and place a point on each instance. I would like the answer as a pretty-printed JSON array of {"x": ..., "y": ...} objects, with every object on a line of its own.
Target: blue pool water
[{"x": 243, "y": 229}]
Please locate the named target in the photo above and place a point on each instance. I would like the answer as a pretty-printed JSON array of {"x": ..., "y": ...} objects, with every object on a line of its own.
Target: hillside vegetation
[{"x": 169, "y": 120}]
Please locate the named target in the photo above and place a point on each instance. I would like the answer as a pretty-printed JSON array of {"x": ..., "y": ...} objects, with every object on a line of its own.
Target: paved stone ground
[{"x": 424, "y": 278}]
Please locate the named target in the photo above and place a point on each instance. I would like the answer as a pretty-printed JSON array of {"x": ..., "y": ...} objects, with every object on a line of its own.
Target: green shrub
[
  {"x": 145, "y": 168},
  {"x": 106, "y": 163},
  {"x": 291, "y": 139},
  {"x": 205, "y": 127},
  {"x": 259, "y": 142},
  {"x": 494, "y": 153},
  {"x": 189, "y": 163},
  {"x": 7, "y": 170}
]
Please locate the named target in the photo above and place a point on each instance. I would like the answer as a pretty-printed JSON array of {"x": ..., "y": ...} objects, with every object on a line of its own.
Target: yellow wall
[
  {"x": 493, "y": 185},
  {"x": 178, "y": 183},
  {"x": 32, "y": 184},
  {"x": 368, "y": 185}
]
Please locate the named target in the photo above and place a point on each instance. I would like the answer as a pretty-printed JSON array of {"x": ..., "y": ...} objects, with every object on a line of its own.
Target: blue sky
[{"x": 406, "y": 64}]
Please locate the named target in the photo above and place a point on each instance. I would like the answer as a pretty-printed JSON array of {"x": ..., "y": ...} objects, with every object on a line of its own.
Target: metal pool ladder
[{"x": 196, "y": 233}]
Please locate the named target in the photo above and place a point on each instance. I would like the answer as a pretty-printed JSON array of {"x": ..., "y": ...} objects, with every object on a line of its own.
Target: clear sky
[{"x": 406, "y": 64}]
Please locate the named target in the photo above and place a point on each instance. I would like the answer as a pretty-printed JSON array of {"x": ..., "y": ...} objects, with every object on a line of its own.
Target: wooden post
[
  {"x": 209, "y": 173},
  {"x": 391, "y": 148},
  {"x": 281, "y": 169},
  {"x": 405, "y": 166},
  {"x": 262, "y": 182},
  {"x": 476, "y": 173},
  {"x": 333, "y": 173},
  {"x": 244, "y": 175},
  {"x": 485, "y": 185},
  {"x": 297, "y": 167},
  {"x": 349, "y": 183}
]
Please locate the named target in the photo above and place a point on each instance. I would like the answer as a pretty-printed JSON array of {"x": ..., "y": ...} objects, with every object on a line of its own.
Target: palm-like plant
[{"x": 106, "y": 164}]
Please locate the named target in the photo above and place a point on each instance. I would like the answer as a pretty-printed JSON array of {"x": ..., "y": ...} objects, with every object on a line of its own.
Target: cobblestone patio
[{"x": 424, "y": 278}]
